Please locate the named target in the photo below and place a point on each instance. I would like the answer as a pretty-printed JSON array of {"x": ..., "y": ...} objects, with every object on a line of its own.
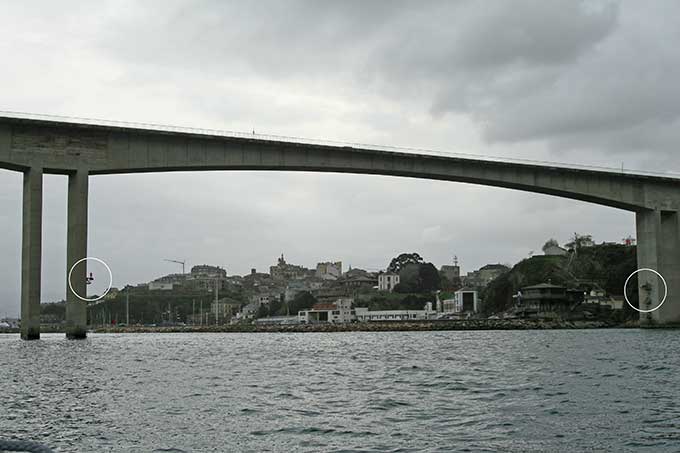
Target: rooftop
[{"x": 544, "y": 286}]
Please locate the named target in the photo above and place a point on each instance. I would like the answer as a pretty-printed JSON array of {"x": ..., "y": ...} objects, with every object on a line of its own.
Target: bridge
[{"x": 79, "y": 148}]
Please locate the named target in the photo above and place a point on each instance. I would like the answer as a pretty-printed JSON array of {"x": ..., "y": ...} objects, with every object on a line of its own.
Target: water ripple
[{"x": 595, "y": 390}]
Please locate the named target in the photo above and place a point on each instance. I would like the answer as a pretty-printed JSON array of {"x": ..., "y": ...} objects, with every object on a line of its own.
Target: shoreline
[
  {"x": 375, "y": 326},
  {"x": 382, "y": 326}
]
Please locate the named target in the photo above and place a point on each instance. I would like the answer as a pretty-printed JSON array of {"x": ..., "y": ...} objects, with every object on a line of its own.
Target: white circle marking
[
  {"x": 94, "y": 259},
  {"x": 665, "y": 293}
]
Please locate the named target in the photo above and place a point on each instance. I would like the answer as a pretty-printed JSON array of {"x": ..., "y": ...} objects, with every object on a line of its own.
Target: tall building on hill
[
  {"x": 208, "y": 271},
  {"x": 329, "y": 270},
  {"x": 450, "y": 272},
  {"x": 387, "y": 281},
  {"x": 285, "y": 271}
]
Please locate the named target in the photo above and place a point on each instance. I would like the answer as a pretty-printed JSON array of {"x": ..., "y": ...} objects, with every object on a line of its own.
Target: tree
[
  {"x": 302, "y": 301},
  {"x": 398, "y": 263},
  {"x": 579, "y": 241},
  {"x": 263, "y": 311},
  {"x": 429, "y": 278},
  {"x": 418, "y": 278},
  {"x": 550, "y": 243}
]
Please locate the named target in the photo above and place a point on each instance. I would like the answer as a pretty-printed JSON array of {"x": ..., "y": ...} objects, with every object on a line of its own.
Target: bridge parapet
[{"x": 59, "y": 147}]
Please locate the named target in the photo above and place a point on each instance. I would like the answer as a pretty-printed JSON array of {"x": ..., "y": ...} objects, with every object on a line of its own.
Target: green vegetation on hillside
[{"x": 605, "y": 266}]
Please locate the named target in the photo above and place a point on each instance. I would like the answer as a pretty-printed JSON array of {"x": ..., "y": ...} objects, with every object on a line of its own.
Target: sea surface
[{"x": 518, "y": 391}]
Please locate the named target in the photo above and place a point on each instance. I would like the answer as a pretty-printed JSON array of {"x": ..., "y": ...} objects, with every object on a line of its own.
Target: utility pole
[{"x": 217, "y": 305}]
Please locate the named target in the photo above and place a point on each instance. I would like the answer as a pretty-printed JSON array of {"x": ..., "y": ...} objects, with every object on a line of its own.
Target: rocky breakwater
[{"x": 396, "y": 326}]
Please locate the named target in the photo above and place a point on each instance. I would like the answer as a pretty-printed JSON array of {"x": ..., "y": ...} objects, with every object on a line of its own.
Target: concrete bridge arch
[{"x": 36, "y": 145}]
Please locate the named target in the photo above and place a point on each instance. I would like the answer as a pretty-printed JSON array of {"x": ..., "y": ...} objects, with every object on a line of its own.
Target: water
[{"x": 593, "y": 390}]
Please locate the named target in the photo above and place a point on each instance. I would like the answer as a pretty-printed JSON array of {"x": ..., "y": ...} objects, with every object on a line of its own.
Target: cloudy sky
[{"x": 567, "y": 81}]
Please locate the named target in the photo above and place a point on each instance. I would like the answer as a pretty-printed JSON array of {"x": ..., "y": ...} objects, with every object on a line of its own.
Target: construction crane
[{"x": 178, "y": 262}]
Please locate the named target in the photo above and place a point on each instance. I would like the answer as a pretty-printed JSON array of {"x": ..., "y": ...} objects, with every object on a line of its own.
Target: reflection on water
[{"x": 615, "y": 390}]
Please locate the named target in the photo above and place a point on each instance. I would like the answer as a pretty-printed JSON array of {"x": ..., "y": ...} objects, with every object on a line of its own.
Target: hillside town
[{"x": 552, "y": 285}]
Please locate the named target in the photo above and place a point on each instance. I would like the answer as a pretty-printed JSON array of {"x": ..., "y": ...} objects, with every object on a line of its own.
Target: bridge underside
[{"x": 77, "y": 150}]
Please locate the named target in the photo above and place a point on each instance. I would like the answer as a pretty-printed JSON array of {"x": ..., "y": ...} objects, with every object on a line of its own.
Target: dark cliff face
[{"x": 605, "y": 265}]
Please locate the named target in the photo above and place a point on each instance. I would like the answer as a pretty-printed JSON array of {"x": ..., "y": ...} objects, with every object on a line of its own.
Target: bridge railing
[{"x": 322, "y": 142}]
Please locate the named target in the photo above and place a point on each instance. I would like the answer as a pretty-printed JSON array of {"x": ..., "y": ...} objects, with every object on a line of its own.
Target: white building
[
  {"x": 247, "y": 312},
  {"x": 261, "y": 299},
  {"x": 339, "y": 312},
  {"x": 160, "y": 286},
  {"x": 329, "y": 270},
  {"x": 555, "y": 250},
  {"x": 387, "y": 281},
  {"x": 277, "y": 320},
  {"x": 363, "y": 314},
  {"x": 464, "y": 300},
  {"x": 452, "y": 306}
]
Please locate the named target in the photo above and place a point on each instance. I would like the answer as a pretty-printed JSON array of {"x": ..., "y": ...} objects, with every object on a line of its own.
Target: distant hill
[{"x": 603, "y": 265}]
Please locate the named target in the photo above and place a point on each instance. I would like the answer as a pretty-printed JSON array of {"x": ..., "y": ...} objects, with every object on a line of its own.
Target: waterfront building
[
  {"x": 452, "y": 305},
  {"x": 465, "y": 300},
  {"x": 339, "y": 312},
  {"x": 363, "y": 314},
  {"x": 598, "y": 296},
  {"x": 329, "y": 270},
  {"x": 387, "y": 281},
  {"x": 277, "y": 320},
  {"x": 543, "y": 300},
  {"x": 468, "y": 300}
]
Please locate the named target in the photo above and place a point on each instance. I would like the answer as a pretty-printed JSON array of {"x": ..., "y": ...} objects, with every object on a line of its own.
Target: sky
[{"x": 591, "y": 83}]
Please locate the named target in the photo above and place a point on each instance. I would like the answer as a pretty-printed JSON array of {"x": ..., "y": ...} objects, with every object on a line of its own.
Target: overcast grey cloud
[{"x": 587, "y": 82}]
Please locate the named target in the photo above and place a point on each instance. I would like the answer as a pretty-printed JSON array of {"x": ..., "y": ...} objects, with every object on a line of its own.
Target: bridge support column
[
  {"x": 76, "y": 249},
  {"x": 658, "y": 248},
  {"x": 31, "y": 253}
]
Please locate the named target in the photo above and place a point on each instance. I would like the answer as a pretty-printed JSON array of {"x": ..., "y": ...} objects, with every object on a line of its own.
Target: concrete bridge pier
[
  {"x": 658, "y": 248},
  {"x": 31, "y": 251},
  {"x": 76, "y": 249}
]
